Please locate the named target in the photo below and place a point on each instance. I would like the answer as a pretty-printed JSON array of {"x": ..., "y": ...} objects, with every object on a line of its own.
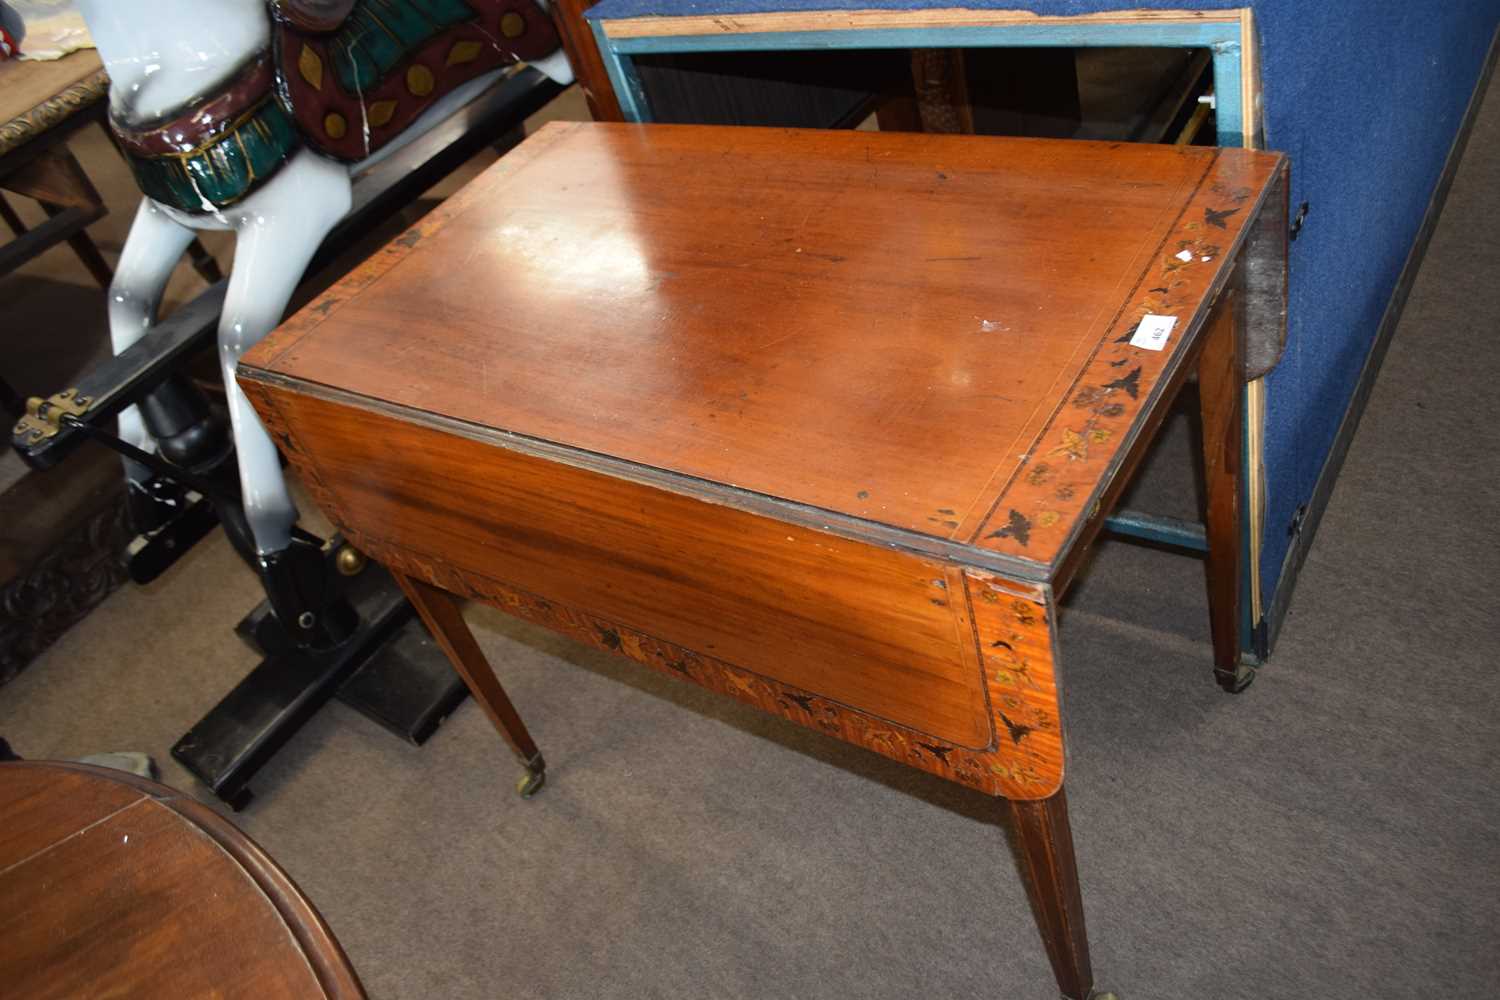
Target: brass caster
[
  {"x": 1097, "y": 995},
  {"x": 350, "y": 561},
  {"x": 531, "y": 782},
  {"x": 1236, "y": 680}
]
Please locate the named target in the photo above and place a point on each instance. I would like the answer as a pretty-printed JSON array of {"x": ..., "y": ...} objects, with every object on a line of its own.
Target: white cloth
[{"x": 53, "y": 28}]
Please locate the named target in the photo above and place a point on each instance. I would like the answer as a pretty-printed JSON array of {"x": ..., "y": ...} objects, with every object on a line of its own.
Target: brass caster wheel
[
  {"x": 531, "y": 782},
  {"x": 1236, "y": 680},
  {"x": 1097, "y": 995}
]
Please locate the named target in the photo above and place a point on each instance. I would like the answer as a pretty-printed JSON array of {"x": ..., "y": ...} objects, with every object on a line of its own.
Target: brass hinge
[{"x": 44, "y": 416}]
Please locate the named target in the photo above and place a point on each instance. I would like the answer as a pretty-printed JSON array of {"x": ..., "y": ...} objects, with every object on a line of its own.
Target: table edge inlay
[{"x": 848, "y": 526}]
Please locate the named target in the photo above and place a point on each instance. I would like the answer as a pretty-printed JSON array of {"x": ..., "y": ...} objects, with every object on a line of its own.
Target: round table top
[{"x": 121, "y": 886}]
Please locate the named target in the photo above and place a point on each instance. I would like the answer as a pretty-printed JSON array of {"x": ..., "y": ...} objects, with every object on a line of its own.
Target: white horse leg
[
  {"x": 155, "y": 244},
  {"x": 278, "y": 229}
]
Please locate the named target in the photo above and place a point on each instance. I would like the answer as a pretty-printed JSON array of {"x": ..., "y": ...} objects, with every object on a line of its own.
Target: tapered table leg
[
  {"x": 1046, "y": 844},
  {"x": 88, "y": 252},
  {"x": 441, "y": 614},
  {"x": 1221, "y": 391}
]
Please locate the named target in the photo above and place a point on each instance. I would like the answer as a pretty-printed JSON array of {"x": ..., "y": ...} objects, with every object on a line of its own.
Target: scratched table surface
[
  {"x": 882, "y": 327},
  {"x": 120, "y": 887}
]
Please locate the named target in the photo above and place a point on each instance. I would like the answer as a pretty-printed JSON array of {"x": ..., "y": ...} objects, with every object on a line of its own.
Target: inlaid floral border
[
  {"x": 1060, "y": 478},
  {"x": 1014, "y": 629}
]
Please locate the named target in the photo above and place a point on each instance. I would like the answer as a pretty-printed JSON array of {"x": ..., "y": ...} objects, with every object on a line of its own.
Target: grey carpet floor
[{"x": 1331, "y": 833}]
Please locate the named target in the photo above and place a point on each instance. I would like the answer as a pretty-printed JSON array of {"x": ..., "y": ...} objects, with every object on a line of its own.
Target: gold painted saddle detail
[
  {"x": 344, "y": 77},
  {"x": 355, "y": 73}
]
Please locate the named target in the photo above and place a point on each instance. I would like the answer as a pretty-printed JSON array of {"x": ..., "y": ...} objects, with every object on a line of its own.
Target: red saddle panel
[{"x": 359, "y": 83}]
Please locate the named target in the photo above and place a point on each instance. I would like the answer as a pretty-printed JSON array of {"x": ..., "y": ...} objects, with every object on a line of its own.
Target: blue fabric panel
[{"x": 1366, "y": 96}]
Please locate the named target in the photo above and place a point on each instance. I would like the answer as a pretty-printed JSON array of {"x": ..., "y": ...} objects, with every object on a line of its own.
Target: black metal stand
[
  {"x": 389, "y": 669},
  {"x": 149, "y": 556},
  {"x": 407, "y": 684}
]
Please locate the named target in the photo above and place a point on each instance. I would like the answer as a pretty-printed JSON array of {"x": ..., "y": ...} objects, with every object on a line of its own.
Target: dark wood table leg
[
  {"x": 942, "y": 90},
  {"x": 57, "y": 181},
  {"x": 204, "y": 262},
  {"x": 1221, "y": 391},
  {"x": 17, "y": 227},
  {"x": 444, "y": 619},
  {"x": 88, "y": 252},
  {"x": 1046, "y": 844}
]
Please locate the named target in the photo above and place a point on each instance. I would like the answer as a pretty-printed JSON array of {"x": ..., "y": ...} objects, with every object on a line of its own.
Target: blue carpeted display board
[{"x": 1367, "y": 97}]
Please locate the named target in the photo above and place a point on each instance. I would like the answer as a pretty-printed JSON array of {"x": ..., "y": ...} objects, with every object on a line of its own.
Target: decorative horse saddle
[{"x": 343, "y": 77}]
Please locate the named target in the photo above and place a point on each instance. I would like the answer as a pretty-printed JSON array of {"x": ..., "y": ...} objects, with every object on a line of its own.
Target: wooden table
[
  {"x": 117, "y": 886},
  {"x": 41, "y": 105},
  {"x": 687, "y": 394}
]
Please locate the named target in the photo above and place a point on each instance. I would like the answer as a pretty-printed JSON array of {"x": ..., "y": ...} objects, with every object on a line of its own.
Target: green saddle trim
[
  {"x": 226, "y": 168},
  {"x": 378, "y": 34}
]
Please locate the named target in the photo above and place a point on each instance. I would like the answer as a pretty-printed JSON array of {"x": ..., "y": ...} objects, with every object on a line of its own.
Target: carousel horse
[{"x": 252, "y": 116}]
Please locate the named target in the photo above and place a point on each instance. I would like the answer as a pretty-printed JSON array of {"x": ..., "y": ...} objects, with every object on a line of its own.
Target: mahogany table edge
[{"x": 315, "y": 940}]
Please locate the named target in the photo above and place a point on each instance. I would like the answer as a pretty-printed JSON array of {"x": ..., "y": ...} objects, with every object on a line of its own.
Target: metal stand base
[
  {"x": 148, "y": 556},
  {"x": 407, "y": 684},
  {"x": 389, "y": 669}
]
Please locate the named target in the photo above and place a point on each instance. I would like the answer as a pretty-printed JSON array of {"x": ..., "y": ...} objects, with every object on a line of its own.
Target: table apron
[{"x": 944, "y": 667}]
